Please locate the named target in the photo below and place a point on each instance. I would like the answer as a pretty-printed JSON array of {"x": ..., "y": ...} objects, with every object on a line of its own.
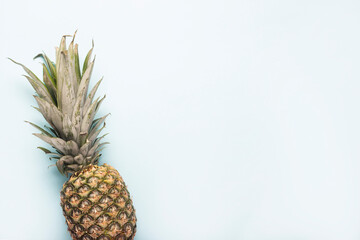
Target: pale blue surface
[{"x": 233, "y": 120}]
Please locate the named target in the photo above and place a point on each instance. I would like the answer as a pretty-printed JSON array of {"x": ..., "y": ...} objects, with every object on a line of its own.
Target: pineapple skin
[{"x": 97, "y": 205}]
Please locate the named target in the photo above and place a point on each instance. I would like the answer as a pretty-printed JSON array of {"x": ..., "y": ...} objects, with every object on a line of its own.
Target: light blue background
[{"x": 233, "y": 120}]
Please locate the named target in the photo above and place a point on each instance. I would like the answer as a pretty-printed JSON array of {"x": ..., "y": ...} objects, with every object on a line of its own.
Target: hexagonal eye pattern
[
  {"x": 94, "y": 195},
  {"x": 93, "y": 181},
  {"x": 121, "y": 202},
  {"x": 74, "y": 199},
  {"x": 122, "y": 217},
  {"x": 105, "y": 200},
  {"x": 103, "y": 218},
  {"x": 84, "y": 189},
  {"x": 94, "y": 229},
  {"x": 113, "y": 209},
  {"x": 103, "y": 187},
  {"x": 128, "y": 229},
  {"x": 84, "y": 204},
  {"x": 86, "y": 219},
  {"x": 68, "y": 189},
  {"x": 78, "y": 230},
  {"x": 67, "y": 207},
  {"x": 75, "y": 213},
  {"x": 96, "y": 210},
  {"x": 114, "y": 227},
  {"x": 97, "y": 206},
  {"x": 114, "y": 191}
]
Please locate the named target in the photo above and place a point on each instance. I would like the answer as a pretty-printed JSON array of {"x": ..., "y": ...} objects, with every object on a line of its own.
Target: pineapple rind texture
[{"x": 97, "y": 205}]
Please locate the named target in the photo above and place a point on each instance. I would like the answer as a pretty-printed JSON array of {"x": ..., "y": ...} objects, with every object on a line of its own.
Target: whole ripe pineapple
[{"x": 95, "y": 200}]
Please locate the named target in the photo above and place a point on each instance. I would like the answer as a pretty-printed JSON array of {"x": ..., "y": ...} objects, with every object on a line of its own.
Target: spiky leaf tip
[{"x": 63, "y": 100}]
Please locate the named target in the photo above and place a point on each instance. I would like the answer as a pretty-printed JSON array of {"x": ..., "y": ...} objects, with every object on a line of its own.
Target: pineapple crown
[{"x": 69, "y": 109}]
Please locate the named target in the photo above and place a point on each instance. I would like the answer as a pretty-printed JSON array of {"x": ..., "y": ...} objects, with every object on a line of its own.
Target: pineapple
[{"x": 95, "y": 201}]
